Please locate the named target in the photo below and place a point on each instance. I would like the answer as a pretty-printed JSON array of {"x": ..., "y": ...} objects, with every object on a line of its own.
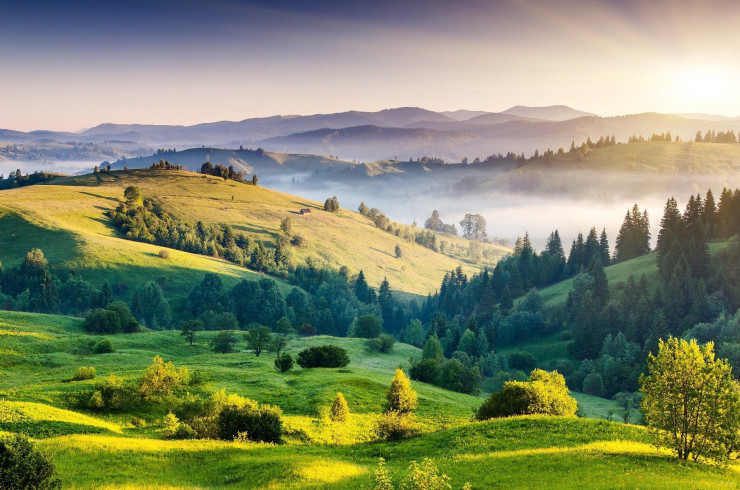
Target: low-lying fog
[{"x": 64, "y": 167}]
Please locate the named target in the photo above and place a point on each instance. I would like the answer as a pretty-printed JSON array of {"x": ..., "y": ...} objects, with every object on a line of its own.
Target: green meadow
[{"x": 40, "y": 354}]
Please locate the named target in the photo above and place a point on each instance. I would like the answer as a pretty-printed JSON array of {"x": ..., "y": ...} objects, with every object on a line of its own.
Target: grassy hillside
[
  {"x": 617, "y": 275},
  {"x": 40, "y": 353},
  {"x": 68, "y": 222}
]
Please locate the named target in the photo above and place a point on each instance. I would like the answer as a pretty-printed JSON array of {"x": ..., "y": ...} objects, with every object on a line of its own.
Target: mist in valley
[{"x": 570, "y": 202}]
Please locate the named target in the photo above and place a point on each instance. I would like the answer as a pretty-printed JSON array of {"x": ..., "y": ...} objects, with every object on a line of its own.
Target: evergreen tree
[
  {"x": 385, "y": 301},
  {"x": 604, "y": 248},
  {"x": 400, "y": 397}
]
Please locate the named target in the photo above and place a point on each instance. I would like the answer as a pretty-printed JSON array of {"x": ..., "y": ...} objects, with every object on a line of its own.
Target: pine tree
[
  {"x": 604, "y": 248},
  {"x": 385, "y": 300}
]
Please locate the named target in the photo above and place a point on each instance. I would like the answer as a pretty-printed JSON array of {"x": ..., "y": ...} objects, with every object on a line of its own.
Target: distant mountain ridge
[{"x": 399, "y": 133}]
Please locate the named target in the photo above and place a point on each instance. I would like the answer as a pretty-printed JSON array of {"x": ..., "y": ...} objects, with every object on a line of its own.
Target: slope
[{"x": 68, "y": 222}]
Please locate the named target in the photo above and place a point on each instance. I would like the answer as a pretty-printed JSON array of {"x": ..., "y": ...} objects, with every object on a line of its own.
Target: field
[
  {"x": 41, "y": 352},
  {"x": 68, "y": 222}
]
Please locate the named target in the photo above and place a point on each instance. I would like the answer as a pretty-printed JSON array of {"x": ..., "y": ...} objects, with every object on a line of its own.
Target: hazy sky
[{"x": 71, "y": 65}]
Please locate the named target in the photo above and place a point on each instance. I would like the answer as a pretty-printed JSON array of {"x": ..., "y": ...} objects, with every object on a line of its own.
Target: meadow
[{"x": 40, "y": 354}]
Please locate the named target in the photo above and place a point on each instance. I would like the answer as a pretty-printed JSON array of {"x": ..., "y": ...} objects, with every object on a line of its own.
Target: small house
[{"x": 305, "y": 211}]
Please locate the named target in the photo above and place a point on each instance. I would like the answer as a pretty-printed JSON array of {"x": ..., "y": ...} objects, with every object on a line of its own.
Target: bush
[
  {"x": 162, "y": 378},
  {"x": 184, "y": 431},
  {"x": 109, "y": 394},
  {"x": 366, "y": 327},
  {"x": 328, "y": 356},
  {"x": 22, "y": 466},
  {"x": 114, "y": 318},
  {"x": 138, "y": 422},
  {"x": 523, "y": 361},
  {"x": 84, "y": 373},
  {"x": 284, "y": 362},
  {"x": 260, "y": 422},
  {"x": 104, "y": 347},
  {"x": 425, "y": 370},
  {"x": 307, "y": 330},
  {"x": 224, "y": 342},
  {"x": 544, "y": 393},
  {"x": 339, "y": 409},
  {"x": 394, "y": 426},
  {"x": 164, "y": 254},
  {"x": 383, "y": 343}
]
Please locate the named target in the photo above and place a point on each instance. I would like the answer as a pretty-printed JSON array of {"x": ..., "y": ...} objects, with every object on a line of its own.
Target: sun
[{"x": 702, "y": 88}]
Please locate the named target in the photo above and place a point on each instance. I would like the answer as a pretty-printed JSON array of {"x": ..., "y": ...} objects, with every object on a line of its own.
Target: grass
[{"x": 94, "y": 450}]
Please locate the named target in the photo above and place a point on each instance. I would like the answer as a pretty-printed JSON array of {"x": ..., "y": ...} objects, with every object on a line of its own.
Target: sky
[{"x": 72, "y": 65}]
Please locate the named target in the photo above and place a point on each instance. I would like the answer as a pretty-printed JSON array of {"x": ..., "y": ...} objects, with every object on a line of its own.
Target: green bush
[
  {"x": 544, "y": 393},
  {"x": 114, "y": 318},
  {"x": 224, "y": 342},
  {"x": 162, "y": 378},
  {"x": 394, "y": 426},
  {"x": 260, "y": 422},
  {"x": 382, "y": 343},
  {"x": 23, "y": 467},
  {"x": 328, "y": 356},
  {"x": 104, "y": 347},
  {"x": 425, "y": 370},
  {"x": 284, "y": 362},
  {"x": 84, "y": 373}
]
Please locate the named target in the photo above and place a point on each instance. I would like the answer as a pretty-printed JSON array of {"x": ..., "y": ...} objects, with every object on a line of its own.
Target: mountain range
[{"x": 400, "y": 133}]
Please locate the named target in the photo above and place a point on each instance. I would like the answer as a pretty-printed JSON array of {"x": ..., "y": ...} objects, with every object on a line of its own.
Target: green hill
[
  {"x": 41, "y": 352},
  {"x": 68, "y": 221}
]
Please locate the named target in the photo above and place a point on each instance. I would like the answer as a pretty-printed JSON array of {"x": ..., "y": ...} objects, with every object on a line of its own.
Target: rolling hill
[{"x": 68, "y": 222}]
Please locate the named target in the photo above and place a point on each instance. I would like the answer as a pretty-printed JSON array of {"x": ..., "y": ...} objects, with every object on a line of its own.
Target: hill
[
  {"x": 557, "y": 452},
  {"x": 549, "y": 113},
  {"x": 68, "y": 222}
]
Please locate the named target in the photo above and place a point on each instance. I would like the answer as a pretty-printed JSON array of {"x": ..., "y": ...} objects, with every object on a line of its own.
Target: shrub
[
  {"x": 109, "y": 394},
  {"x": 425, "y": 370},
  {"x": 523, "y": 361},
  {"x": 104, "y": 347},
  {"x": 366, "y": 327},
  {"x": 162, "y": 378},
  {"x": 23, "y": 466},
  {"x": 544, "y": 393},
  {"x": 223, "y": 342},
  {"x": 400, "y": 397},
  {"x": 383, "y": 343},
  {"x": 184, "y": 431},
  {"x": 307, "y": 330},
  {"x": 284, "y": 362},
  {"x": 260, "y": 422},
  {"x": 169, "y": 424},
  {"x": 297, "y": 240},
  {"x": 84, "y": 373},
  {"x": 339, "y": 409},
  {"x": 394, "y": 426},
  {"x": 328, "y": 356},
  {"x": 164, "y": 254},
  {"x": 425, "y": 476},
  {"x": 138, "y": 422},
  {"x": 114, "y": 318}
]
